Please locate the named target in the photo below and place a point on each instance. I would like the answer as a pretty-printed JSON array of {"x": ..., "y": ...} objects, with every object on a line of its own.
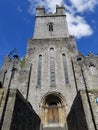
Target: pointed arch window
[
  {"x": 65, "y": 69},
  {"x": 50, "y": 26},
  {"x": 52, "y": 67},
  {"x": 92, "y": 69},
  {"x": 13, "y": 72},
  {"x": 39, "y": 70}
]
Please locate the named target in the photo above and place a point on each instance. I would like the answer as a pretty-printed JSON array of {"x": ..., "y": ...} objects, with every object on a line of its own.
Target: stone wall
[
  {"x": 93, "y": 97},
  {"x": 76, "y": 119},
  {"x": 42, "y": 47},
  {"x": 17, "y": 114},
  {"x": 24, "y": 117},
  {"x": 84, "y": 111},
  {"x": 18, "y": 111},
  {"x": 58, "y": 20}
]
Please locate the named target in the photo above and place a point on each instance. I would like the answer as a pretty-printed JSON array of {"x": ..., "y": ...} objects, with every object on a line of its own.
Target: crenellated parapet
[{"x": 40, "y": 11}]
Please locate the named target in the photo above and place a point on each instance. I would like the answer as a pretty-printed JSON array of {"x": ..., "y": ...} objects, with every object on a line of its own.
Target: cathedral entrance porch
[{"x": 52, "y": 110}]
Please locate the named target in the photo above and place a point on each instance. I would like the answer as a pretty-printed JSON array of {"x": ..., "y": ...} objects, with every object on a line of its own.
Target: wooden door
[{"x": 53, "y": 116}]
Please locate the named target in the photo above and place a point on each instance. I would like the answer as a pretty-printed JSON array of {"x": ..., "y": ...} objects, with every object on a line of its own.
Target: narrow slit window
[
  {"x": 13, "y": 72},
  {"x": 50, "y": 26},
  {"x": 39, "y": 70},
  {"x": 65, "y": 69},
  {"x": 93, "y": 69},
  {"x": 52, "y": 66}
]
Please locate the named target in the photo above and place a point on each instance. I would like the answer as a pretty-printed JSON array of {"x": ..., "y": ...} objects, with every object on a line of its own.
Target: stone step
[{"x": 54, "y": 128}]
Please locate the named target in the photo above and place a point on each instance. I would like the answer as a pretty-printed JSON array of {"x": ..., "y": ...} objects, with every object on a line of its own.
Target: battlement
[{"x": 40, "y": 11}]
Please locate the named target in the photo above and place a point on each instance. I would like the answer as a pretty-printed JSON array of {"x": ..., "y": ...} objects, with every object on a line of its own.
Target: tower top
[
  {"x": 50, "y": 25},
  {"x": 40, "y": 11}
]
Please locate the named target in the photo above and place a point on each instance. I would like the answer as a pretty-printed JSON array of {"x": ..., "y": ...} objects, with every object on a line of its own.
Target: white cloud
[
  {"x": 77, "y": 24},
  {"x": 33, "y": 5},
  {"x": 84, "y": 5},
  {"x": 50, "y": 5}
]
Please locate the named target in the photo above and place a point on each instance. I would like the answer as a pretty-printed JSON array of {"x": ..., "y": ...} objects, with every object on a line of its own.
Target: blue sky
[{"x": 17, "y": 23}]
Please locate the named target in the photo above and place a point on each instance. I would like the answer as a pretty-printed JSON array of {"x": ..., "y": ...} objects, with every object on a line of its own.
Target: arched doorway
[
  {"x": 53, "y": 114},
  {"x": 52, "y": 110}
]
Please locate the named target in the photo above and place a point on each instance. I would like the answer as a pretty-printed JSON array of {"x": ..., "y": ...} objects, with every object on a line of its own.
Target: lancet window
[
  {"x": 52, "y": 66},
  {"x": 65, "y": 69},
  {"x": 39, "y": 70}
]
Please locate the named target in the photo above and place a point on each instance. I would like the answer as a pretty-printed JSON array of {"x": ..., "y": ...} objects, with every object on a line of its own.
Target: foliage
[
  {"x": 93, "y": 90},
  {"x": 22, "y": 62}
]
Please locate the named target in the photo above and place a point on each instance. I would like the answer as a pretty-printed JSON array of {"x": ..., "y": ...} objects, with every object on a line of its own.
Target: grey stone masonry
[
  {"x": 18, "y": 113},
  {"x": 42, "y": 47},
  {"x": 56, "y": 20},
  {"x": 83, "y": 114},
  {"x": 52, "y": 73}
]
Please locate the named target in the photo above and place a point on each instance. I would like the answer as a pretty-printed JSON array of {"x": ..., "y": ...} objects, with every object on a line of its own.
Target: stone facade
[
  {"x": 16, "y": 113},
  {"x": 43, "y": 20},
  {"x": 54, "y": 77},
  {"x": 84, "y": 108}
]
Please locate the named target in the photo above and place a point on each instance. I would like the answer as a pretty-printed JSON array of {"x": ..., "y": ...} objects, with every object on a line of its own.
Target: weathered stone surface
[
  {"x": 18, "y": 113},
  {"x": 23, "y": 75}
]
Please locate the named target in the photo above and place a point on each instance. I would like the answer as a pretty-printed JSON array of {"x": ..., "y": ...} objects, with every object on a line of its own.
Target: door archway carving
[{"x": 52, "y": 109}]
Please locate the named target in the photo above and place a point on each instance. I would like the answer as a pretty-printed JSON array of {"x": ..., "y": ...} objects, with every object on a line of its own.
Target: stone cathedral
[{"x": 54, "y": 87}]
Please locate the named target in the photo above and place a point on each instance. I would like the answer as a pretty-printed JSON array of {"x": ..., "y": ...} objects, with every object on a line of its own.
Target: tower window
[
  {"x": 50, "y": 26},
  {"x": 93, "y": 69},
  {"x": 39, "y": 70},
  {"x": 13, "y": 72},
  {"x": 52, "y": 66},
  {"x": 65, "y": 69}
]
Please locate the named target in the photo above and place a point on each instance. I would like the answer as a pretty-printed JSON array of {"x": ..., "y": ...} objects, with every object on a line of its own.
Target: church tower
[
  {"x": 55, "y": 83},
  {"x": 52, "y": 88},
  {"x": 50, "y": 25}
]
